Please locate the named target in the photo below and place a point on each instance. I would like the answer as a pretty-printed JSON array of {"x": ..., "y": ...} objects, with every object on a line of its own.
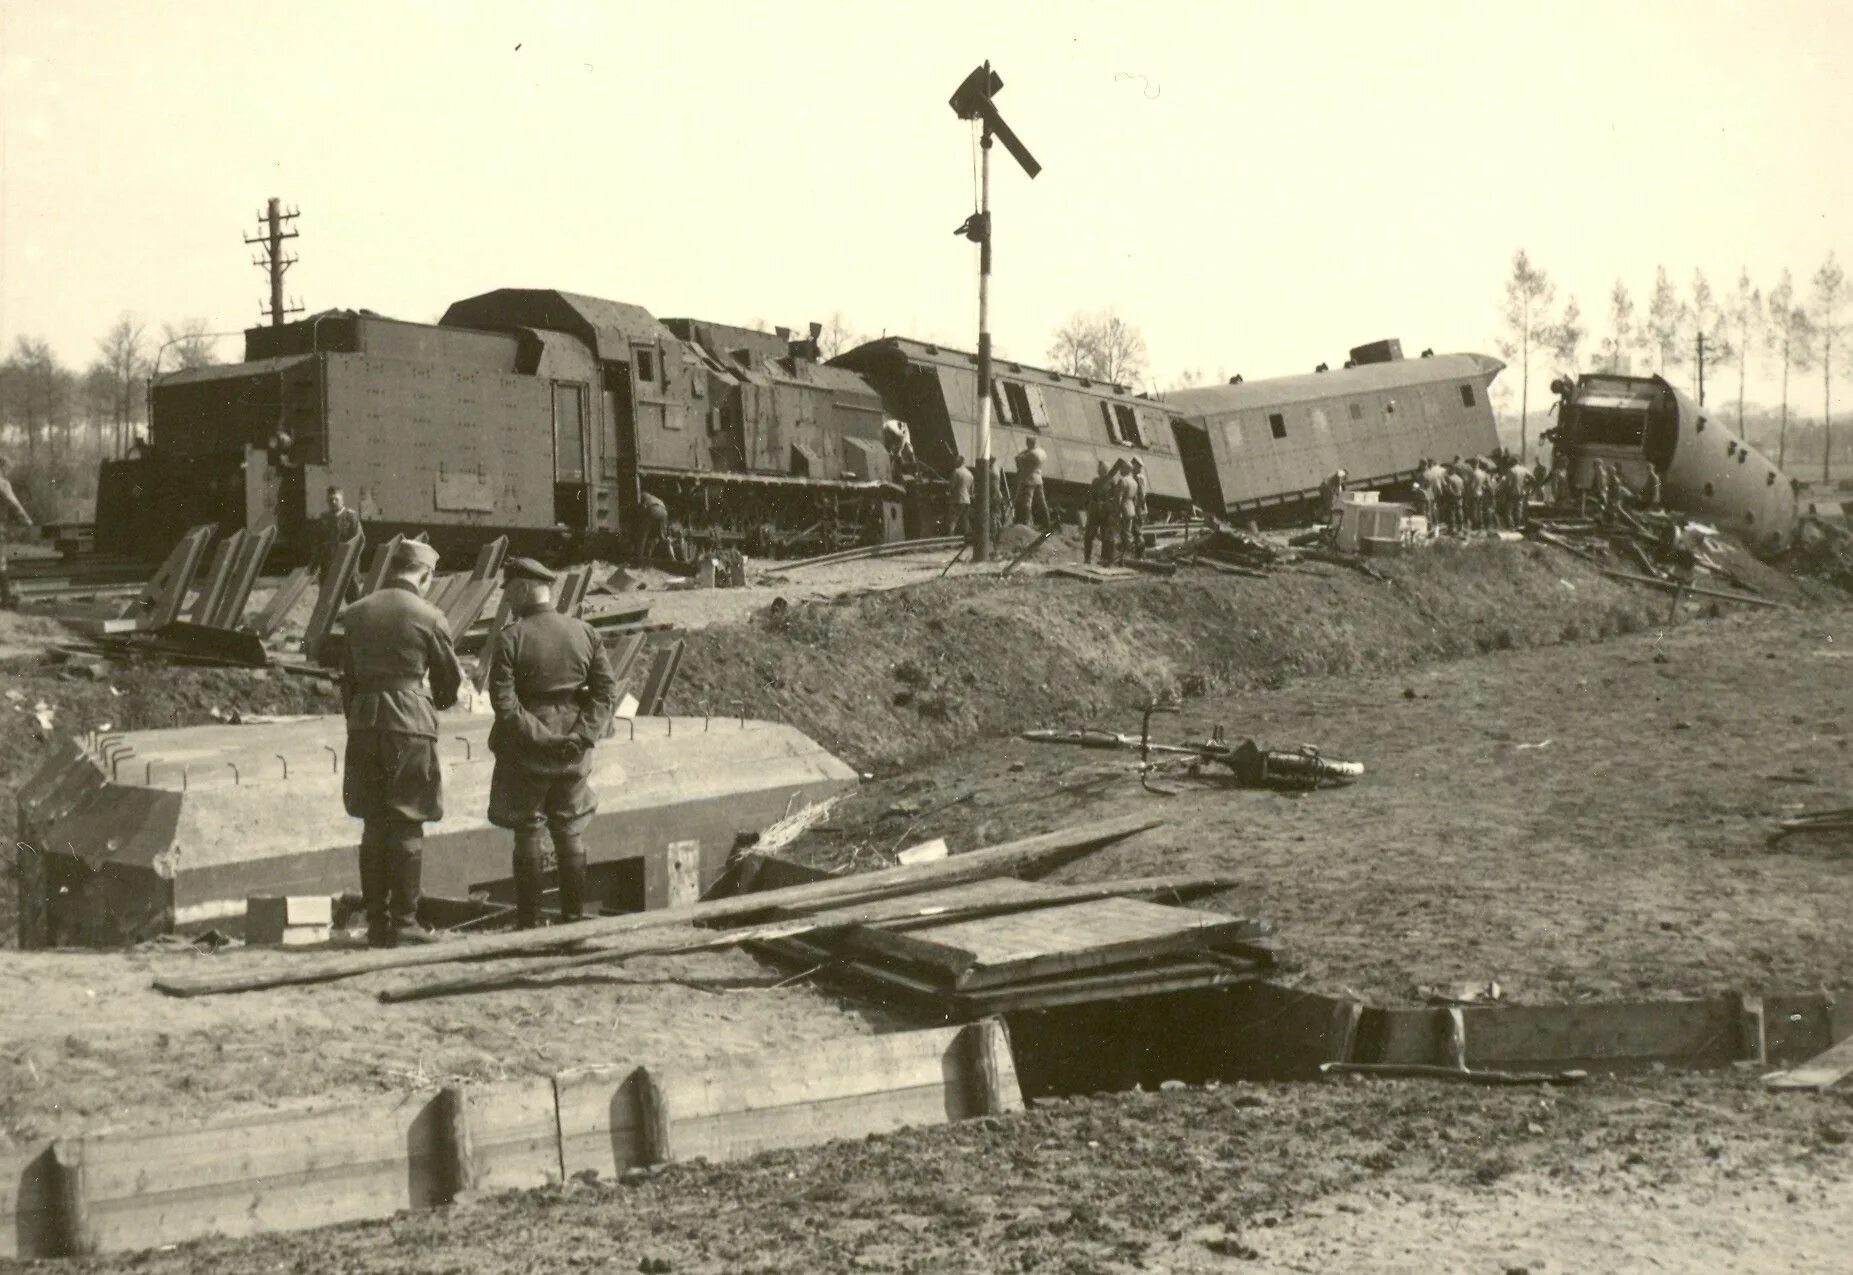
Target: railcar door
[{"x": 572, "y": 507}]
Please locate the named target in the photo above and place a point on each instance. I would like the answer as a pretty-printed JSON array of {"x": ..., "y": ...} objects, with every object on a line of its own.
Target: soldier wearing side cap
[
  {"x": 553, "y": 693},
  {"x": 396, "y": 641}
]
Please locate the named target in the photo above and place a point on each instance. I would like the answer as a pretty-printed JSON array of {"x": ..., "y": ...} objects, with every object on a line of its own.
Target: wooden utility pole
[
  {"x": 1702, "y": 374},
  {"x": 271, "y": 260}
]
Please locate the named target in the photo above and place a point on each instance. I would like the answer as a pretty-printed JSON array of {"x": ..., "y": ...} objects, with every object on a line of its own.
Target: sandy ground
[
  {"x": 1573, "y": 821},
  {"x": 1585, "y": 818}
]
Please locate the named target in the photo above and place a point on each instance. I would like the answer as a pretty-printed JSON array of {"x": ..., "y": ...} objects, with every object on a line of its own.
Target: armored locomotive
[{"x": 536, "y": 414}]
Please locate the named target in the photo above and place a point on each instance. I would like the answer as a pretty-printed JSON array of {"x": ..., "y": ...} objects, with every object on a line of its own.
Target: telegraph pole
[
  {"x": 1701, "y": 369},
  {"x": 973, "y": 100},
  {"x": 271, "y": 260}
]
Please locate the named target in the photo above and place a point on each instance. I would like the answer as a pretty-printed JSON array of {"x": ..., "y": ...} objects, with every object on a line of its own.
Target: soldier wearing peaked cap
[
  {"x": 396, "y": 641},
  {"x": 553, "y": 692}
]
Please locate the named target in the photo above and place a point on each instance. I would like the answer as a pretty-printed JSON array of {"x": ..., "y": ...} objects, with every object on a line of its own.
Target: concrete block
[{"x": 289, "y": 919}]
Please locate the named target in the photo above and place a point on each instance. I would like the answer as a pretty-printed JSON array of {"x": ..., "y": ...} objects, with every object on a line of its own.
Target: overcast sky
[{"x": 1258, "y": 186}]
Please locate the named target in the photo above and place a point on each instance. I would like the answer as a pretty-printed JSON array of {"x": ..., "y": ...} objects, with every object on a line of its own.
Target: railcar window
[
  {"x": 1466, "y": 396},
  {"x": 646, "y": 366},
  {"x": 1611, "y": 427},
  {"x": 1113, "y": 426},
  {"x": 1129, "y": 425},
  {"x": 1278, "y": 424},
  {"x": 1357, "y": 411},
  {"x": 1001, "y": 401},
  {"x": 1020, "y": 405}
]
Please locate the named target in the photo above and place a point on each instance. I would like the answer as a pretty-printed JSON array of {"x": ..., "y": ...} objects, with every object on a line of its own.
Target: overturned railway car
[
  {"x": 1077, "y": 421},
  {"x": 532, "y": 413},
  {"x": 1260, "y": 449},
  {"x": 1706, "y": 469}
]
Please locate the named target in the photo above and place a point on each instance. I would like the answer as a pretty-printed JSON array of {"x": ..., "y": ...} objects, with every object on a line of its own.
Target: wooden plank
[
  {"x": 598, "y": 1120},
  {"x": 378, "y": 565},
  {"x": 162, "y": 597},
  {"x": 278, "y": 1173},
  {"x": 1157, "y": 979},
  {"x": 1030, "y": 856},
  {"x": 331, "y": 593},
  {"x": 246, "y": 565},
  {"x": 658, "y": 680},
  {"x": 848, "y": 1088},
  {"x": 991, "y": 1069},
  {"x": 287, "y": 594},
  {"x": 994, "y": 951},
  {"x": 1601, "y": 1036},
  {"x": 29, "y": 1213},
  {"x": 1823, "y": 1071},
  {"x": 212, "y": 586},
  {"x": 929, "y": 907}
]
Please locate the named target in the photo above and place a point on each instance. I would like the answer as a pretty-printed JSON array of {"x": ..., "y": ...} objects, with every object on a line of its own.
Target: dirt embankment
[{"x": 891, "y": 679}]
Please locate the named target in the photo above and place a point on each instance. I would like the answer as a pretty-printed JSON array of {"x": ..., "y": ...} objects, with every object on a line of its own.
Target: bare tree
[
  {"x": 1708, "y": 326},
  {"x": 1101, "y": 347},
  {"x": 39, "y": 391},
  {"x": 1529, "y": 293},
  {"x": 1790, "y": 339},
  {"x": 1667, "y": 321},
  {"x": 837, "y": 336},
  {"x": 1830, "y": 298},
  {"x": 1743, "y": 319},
  {"x": 187, "y": 346},
  {"x": 1621, "y": 338},
  {"x": 122, "y": 353},
  {"x": 1565, "y": 337}
]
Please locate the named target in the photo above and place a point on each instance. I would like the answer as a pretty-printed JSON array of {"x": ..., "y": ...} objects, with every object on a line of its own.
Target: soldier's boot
[
  {"x": 376, "y": 886},
  {"x": 408, "y": 855},
  {"x": 528, "y": 877},
  {"x": 570, "y": 859}
]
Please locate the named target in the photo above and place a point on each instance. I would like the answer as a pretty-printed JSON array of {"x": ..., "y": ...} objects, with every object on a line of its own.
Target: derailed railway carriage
[
  {"x": 1259, "y": 450},
  {"x": 1706, "y": 469}
]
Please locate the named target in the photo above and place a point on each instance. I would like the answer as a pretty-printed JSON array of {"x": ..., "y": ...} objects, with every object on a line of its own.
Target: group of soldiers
[
  {"x": 553, "y": 693},
  {"x": 1116, "y": 502},
  {"x": 1479, "y": 493}
]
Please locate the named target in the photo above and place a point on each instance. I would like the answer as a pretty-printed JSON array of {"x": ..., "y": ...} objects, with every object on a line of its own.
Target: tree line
[
  {"x": 1784, "y": 329},
  {"x": 56, "y": 420}
]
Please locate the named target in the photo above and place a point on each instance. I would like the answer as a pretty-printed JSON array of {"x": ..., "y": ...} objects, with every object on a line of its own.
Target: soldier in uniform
[
  {"x": 1099, "y": 514},
  {"x": 653, "y": 529},
  {"x": 553, "y": 693},
  {"x": 339, "y": 525},
  {"x": 10, "y": 509},
  {"x": 395, "y": 642},
  {"x": 961, "y": 486},
  {"x": 1032, "y": 504}
]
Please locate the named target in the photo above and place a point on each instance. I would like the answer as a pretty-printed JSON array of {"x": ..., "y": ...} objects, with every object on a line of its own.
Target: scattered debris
[
  {"x": 1300, "y": 769},
  {"x": 1821, "y": 821}
]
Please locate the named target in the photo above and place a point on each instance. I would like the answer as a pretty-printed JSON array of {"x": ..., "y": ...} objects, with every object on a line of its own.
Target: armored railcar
[{"x": 1706, "y": 469}]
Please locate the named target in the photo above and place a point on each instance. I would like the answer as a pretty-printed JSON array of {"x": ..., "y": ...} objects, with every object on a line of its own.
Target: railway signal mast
[
  {"x": 271, "y": 260},
  {"x": 973, "y": 101}
]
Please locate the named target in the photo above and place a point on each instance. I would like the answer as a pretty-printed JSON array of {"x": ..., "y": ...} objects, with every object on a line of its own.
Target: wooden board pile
[
  {"x": 1651, "y": 547},
  {"x": 1226, "y": 550},
  {"x": 1037, "y": 951},
  {"x": 957, "y": 937}
]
